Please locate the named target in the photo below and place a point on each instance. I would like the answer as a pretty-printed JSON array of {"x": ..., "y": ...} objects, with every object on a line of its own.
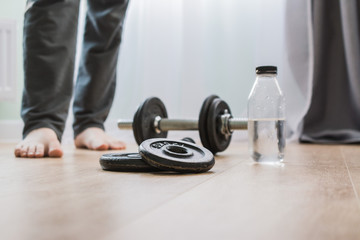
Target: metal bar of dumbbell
[
  {"x": 237, "y": 124},
  {"x": 124, "y": 124},
  {"x": 164, "y": 124}
]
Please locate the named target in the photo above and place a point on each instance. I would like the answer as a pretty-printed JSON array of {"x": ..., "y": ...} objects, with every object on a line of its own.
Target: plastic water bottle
[{"x": 266, "y": 117}]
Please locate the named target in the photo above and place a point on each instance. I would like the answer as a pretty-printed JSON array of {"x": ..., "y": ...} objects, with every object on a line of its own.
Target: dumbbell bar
[
  {"x": 215, "y": 123},
  {"x": 165, "y": 124}
]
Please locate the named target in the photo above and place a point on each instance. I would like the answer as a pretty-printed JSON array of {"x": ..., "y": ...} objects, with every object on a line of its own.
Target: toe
[
  {"x": 55, "y": 149},
  {"x": 24, "y": 151},
  {"x": 39, "y": 152},
  {"x": 56, "y": 153},
  {"x": 31, "y": 151},
  {"x": 17, "y": 151}
]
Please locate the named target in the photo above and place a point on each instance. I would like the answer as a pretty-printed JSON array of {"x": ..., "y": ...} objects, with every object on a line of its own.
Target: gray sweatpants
[{"x": 50, "y": 30}]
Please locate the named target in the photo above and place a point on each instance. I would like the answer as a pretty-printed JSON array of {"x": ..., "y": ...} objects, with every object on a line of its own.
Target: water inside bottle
[{"x": 267, "y": 139}]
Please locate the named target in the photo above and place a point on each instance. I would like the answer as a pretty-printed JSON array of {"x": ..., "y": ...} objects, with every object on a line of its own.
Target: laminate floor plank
[{"x": 351, "y": 154}]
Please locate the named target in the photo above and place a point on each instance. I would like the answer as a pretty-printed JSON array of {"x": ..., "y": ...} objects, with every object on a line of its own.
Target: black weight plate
[
  {"x": 218, "y": 141},
  {"x": 126, "y": 162},
  {"x": 203, "y": 116},
  {"x": 137, "y": 124},
  {"x": 143, "y": 123},
  {"x": 136, "y": 130},
  {"x": 178, "y": 156}
]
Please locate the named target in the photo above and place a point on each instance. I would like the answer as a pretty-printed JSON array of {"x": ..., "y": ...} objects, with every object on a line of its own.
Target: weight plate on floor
[
  {"x": 178, "y": 156},
  {"x": 218, "y": 141},
  {"x": 126, "y": 162},
  {"x": 203, "y": 116},
  {"x": 136, "y": 130},
  {"x": 143, "y": 122}
]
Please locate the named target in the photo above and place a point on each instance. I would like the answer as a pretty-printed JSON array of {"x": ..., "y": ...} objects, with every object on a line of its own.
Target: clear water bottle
[{"x": 266, "y": 117}]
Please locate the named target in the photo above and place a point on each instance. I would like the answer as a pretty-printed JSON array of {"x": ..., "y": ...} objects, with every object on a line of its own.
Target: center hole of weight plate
[{"x": 177, "y": 151}]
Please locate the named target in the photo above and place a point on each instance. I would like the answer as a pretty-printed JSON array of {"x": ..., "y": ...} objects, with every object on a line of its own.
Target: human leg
[
  {"x": 50, "y": 28},
  {"x": 95, "y": 86}
]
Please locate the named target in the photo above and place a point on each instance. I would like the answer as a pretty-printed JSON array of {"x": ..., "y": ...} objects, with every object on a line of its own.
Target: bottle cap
[{"x": 266, "y": 70}]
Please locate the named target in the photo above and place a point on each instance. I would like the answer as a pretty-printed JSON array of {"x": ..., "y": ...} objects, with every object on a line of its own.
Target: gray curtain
[{"x": 332, "y": 82}]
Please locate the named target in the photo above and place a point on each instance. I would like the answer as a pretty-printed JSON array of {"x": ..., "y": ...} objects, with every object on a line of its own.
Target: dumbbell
[{"x": 215, "y": 123}]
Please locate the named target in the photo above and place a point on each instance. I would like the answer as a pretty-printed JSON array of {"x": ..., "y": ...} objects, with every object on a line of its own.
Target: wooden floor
[{"x": 313, "y": 195}]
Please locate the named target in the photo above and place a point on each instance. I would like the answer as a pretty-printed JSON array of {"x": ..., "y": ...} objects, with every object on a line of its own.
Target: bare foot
[
  {"x": 41, "y": 142},
  {"x": 94, "y": 138}
]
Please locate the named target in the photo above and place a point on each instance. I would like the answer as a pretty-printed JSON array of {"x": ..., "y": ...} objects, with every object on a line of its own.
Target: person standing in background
[{"x": 49, "y": 44}]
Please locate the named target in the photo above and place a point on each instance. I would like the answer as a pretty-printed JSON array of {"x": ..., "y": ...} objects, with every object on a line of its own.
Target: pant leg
[
  {"x": 95, "y": 85},
  {"x": 49, "y": 42}
]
